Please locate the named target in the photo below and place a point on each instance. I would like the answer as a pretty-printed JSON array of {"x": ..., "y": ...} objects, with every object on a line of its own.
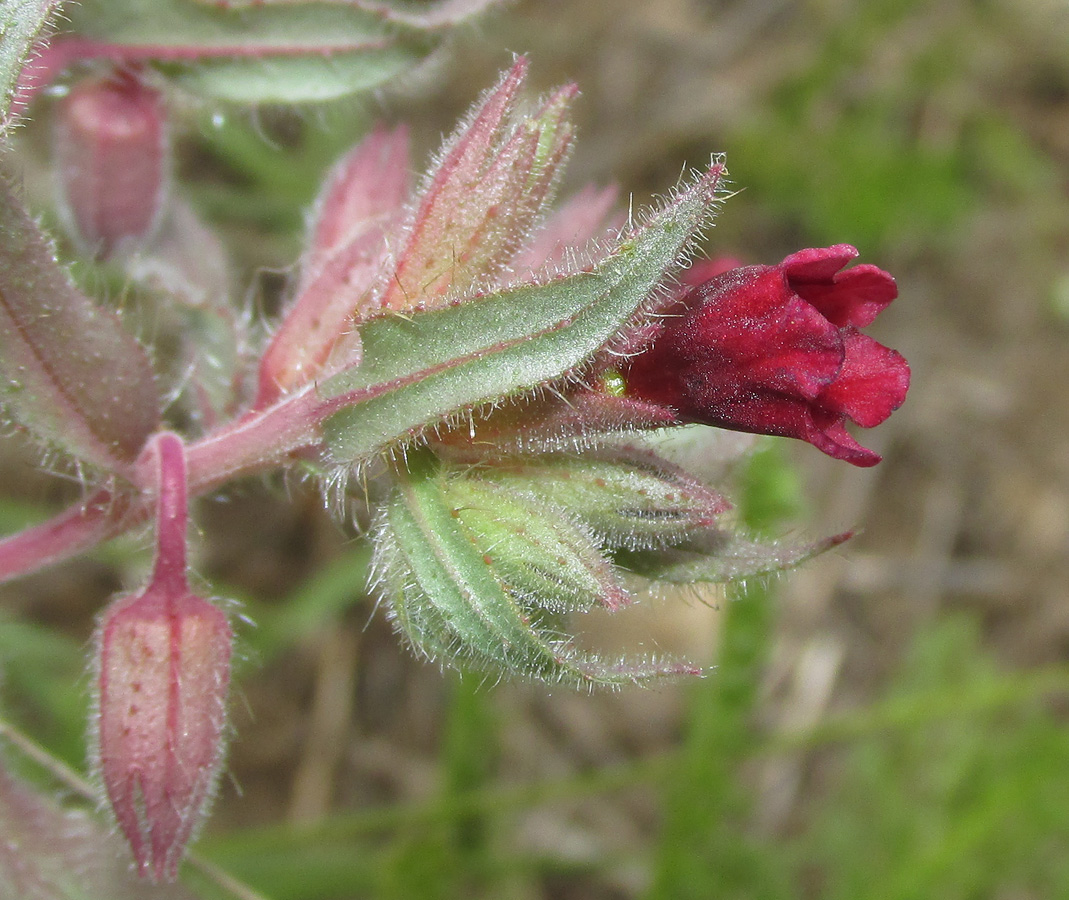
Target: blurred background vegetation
[{"x": 891, "y": 721}]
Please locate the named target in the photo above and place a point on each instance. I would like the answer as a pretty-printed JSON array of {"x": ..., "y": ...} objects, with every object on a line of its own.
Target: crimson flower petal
[
  {"x": 776, "y": 350},
  {"x": 854, "y": 297},
  {"x": 872, "y": 383}
]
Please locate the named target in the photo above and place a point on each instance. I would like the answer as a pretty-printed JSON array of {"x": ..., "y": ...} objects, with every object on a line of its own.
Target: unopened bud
[
  {"x": 111, "y": 152},
  {"x": 479, "y": 575},
  {"x": 164, "y": 669}
]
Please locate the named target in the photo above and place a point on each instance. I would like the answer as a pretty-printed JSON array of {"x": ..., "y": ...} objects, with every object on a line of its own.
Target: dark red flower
[{"x": 777, "y": 350}]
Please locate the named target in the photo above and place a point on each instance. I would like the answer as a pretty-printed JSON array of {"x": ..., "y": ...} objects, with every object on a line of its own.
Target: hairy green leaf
[
  {"x": 537, "y": 550},
  {"x": 21, "y": 24},
  {"x": 484, "y": 349},
  {"x": 721, "y": 557},
  {"x": 259, "y": 53},
  {"x": 630, "y": 498}
]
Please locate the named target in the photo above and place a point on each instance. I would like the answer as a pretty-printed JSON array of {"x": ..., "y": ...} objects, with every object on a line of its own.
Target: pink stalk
[
  {"x": 172, "y": 512},
  {"x": 259, "y": 441},
  {"x": 107, "y": 513}
]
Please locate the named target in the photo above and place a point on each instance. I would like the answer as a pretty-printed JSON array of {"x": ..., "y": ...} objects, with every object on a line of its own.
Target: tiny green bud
[{"x": 614, "y": 384}]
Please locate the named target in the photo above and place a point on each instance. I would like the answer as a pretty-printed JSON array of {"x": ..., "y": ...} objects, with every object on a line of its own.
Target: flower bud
[
  {"x": 111, "y": 153},
  {"x": 479, "y": 575},
  {"x": 163, "y": 668},
  {"x": 164, "y": 663}
]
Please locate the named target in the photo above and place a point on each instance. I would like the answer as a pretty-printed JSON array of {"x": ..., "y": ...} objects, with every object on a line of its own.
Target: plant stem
[{"x": 256, "y": 442}]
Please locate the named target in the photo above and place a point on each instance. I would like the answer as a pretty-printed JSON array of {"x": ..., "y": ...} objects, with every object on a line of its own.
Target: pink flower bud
[
  {"x": 164, "y": 668},
  {"x": 163, "y": 658},
  {"x": 111, "y": 153}
]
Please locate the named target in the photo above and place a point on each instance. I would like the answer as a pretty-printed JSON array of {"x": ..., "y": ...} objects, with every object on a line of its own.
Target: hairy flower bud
[
  {"x": 163, "y": 668},
  {"x": 111, "y": 154},
  {"x": 164, "y": 662},
  {"x": 481, "y": 575}
]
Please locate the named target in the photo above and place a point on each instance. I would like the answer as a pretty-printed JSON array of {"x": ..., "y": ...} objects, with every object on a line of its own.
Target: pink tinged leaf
[
  {"x": 71, "y": 374},
  {"x": 359, "y": 207},
  {"x": 112, "y": 149},
  {"x": 367, "y": 186},
  {"x": 577, "y": 235},
  {"x": 163, "y": 659},
  {"x": 518, "y": 187},
  {"x": 480, "y": 202},
  {"x": 48, "y": 849}
]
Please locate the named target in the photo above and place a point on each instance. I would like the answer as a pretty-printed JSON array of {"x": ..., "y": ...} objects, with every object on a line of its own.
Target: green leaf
[
  {"x": 439, "y": 362},
  {"x": 538, "y": 551},
  {"x": 68, "y": 370},
  {"x": 21, "y": 24},
  {"x": 301, "y": 79},
  {"x": 262, "y": 53}
]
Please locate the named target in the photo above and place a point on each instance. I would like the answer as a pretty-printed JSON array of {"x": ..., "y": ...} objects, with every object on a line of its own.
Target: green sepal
[
  {"x": 447, "y": 599},
  {"x": 630, "y": 498},
  {"x": 722, "y": 556},
  {"x": 423, "y": 367}
]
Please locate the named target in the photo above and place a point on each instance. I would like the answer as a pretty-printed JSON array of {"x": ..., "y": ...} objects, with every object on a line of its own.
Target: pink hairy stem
[{"x": 257, "y": 442}]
